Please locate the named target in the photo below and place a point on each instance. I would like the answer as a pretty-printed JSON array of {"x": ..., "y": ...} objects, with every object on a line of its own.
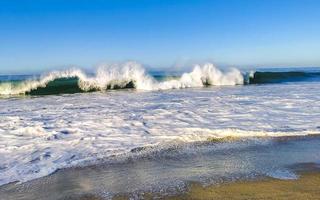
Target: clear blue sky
[{"x": 44, "y": 34}]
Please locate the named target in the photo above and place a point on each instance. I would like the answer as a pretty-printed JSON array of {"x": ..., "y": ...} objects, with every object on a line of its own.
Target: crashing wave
[{"x": 128, "y": 75}]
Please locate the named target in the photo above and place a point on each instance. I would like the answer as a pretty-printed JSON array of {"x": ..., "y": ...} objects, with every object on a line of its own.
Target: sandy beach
[{"x": 307, "y": 186}]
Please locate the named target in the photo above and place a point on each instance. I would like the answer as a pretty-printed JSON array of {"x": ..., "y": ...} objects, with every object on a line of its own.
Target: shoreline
[
  {"x": 306, "y": 186},
  {"x": 153, "y": 176}
]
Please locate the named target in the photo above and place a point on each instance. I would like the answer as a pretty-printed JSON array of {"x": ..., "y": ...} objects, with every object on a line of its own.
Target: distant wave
[
  {"x": 280, "y": 77},
  {"x": 133, "y": 75}
]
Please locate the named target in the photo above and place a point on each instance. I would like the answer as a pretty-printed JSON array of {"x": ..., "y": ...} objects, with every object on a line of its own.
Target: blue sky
[{"x": 40, "y": 35}]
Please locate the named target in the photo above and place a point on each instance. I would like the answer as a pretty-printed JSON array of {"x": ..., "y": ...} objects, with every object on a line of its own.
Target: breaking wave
[
  {"x": 129, "y": 75},
  {"x": 133, "y": 75}
]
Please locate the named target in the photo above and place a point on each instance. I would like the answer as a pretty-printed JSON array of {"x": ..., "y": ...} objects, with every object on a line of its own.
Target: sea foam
[
  {"x": 43, "y": 134},
  {"x": 130, "y": 73}
]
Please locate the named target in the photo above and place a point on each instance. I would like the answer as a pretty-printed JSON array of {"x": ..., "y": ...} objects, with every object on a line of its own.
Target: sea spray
[
  {"x": 127, "y": 75},
  {"x": 133, "y": 75}
]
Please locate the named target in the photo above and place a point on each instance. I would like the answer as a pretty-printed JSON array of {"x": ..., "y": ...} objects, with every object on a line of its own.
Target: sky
[{"x": 38, "y": 35}]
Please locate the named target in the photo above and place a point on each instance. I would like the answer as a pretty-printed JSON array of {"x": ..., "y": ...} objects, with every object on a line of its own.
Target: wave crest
[{"x": 128, "y": 75}]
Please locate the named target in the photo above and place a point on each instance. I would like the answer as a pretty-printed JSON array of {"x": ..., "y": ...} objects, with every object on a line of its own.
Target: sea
[{"x": 127, "y": 130}]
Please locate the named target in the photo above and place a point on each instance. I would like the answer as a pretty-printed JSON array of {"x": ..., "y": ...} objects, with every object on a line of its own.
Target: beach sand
[{"x": 306, "y": 187}]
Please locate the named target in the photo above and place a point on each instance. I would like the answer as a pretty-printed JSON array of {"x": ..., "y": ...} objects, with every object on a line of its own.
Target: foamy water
[
  {"x": 119, "y": 76},
  {"x": 39, "y": 135}
]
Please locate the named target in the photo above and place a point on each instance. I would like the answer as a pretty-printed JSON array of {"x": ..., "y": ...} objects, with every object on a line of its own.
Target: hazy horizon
[{"x": 148, "y": 68}]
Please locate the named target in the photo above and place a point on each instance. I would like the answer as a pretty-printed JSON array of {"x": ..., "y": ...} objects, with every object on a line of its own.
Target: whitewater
[
  {"x": 129, "y": 74},
  {"x": 41, "y": 134}
]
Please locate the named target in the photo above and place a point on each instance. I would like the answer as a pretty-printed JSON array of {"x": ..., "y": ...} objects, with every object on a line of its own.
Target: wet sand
[{"x": 307, "y": 186}]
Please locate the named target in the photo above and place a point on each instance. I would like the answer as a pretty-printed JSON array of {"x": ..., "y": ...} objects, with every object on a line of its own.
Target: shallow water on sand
[{"x": 170, "y": 170}]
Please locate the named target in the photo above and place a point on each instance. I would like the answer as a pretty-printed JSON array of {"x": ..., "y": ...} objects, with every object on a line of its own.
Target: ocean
[{"x": 126, "y": 130}]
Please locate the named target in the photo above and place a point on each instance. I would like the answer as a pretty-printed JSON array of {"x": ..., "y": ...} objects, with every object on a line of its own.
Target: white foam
[
  {"x": 41, "y": 135},
  {"x": 112, "y": 76}
]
